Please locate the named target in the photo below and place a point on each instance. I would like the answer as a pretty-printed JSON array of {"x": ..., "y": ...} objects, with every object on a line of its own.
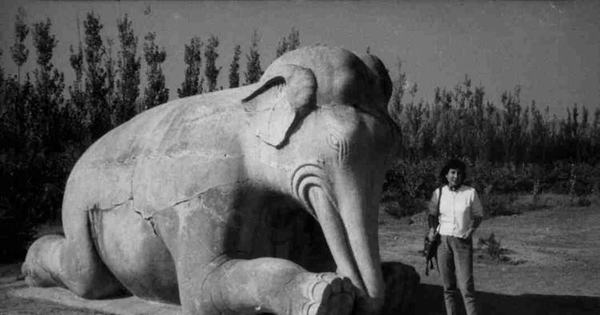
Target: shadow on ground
[{"x": 430, "y": 301}]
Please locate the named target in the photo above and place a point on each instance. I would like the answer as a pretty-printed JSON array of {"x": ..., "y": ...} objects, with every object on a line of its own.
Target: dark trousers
[{"x": 455, "y": 256}]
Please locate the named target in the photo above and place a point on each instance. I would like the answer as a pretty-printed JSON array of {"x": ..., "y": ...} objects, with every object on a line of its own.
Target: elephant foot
[
  {"x": 37, "y": 277},
  {"x": 38, "y": 265},
  {"x": 81, "y": 273},
  {"x": 326, "y": 293}
]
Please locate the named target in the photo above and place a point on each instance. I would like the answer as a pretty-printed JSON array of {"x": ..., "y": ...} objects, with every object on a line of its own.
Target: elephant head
[{"x": 322, "y": 113}]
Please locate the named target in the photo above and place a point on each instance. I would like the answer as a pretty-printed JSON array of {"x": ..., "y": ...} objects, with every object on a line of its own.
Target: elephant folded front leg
[
  {"x": 278, "y": 286},
  {"x": 325, "y": 293}
]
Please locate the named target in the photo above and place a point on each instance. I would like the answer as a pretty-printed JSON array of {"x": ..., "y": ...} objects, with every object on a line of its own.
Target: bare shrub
[{"x": 490, "y": 250}]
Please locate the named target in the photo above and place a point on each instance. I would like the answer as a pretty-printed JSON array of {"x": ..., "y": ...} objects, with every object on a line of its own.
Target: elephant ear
[{"x": 287, "y": 95}]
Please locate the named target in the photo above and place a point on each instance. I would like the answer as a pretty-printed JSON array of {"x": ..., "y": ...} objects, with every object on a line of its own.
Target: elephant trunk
[{"x": 349, "y": 223}]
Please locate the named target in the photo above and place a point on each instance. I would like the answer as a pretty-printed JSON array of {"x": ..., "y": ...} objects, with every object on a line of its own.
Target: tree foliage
[
  {"x": 253, "y": 69},
  {"x": 290, "y": 43},
  {"x": 128, "y": 65},
  {"x": 76, "y": 107},
  {"x": 111, "y": 72},
  {"x": 211, "y": 71},
  {"x": 19, "y": 51},
  {"x": 97, "y": 85},
  {"x": 44, "y": 109},
  {"x": 156, "y": 91},
  {"x": 1, "y": 78},
  {"x": 234, "y": 68},
  {"x": 192, "y": 83},
  {"x": 32, "y": 169},
  {"x": 461, "y": 123},
  {"x": 399, "y": 85}
]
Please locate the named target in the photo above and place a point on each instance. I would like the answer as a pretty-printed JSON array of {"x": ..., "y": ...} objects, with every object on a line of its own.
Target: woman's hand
[
  {"x": 469, "y": 234},
  {"x": 431, "y": 235}
]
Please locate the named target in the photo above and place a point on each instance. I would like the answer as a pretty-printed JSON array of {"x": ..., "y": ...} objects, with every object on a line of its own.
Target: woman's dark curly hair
[{"x": 453, "y": 164}]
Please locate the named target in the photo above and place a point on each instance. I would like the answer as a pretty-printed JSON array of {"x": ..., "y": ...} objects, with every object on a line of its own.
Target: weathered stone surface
[{"x": 256, "y": 199}]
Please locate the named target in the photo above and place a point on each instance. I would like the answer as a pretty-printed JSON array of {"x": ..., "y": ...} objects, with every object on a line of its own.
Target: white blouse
[{"x": 457, "y": 210}]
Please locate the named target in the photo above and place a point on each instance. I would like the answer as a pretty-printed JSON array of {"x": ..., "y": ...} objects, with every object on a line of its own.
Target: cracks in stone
[
  {"x": 220, "y": 261},
  {"x": 152, "y": 224},
  {"x": 150, "y": 218},
  {"x": 183, "y": 201},
  {"x": 97, "y": 208}
]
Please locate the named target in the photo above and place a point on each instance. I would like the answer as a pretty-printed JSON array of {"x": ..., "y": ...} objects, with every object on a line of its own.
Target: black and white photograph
[{"x": 302, "y": 157}]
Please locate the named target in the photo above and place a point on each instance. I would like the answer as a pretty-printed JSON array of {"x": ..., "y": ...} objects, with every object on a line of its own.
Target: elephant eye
[{"x": 339, "y": 144}]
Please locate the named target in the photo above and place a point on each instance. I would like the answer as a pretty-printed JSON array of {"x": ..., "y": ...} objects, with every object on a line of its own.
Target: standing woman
[{"x": 454, "y": 215}]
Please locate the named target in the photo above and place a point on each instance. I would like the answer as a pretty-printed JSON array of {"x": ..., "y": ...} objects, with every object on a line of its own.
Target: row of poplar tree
[
  {"x": 46, "y": 125},
  {"x": 106, "y": 90},
  {"x": 461, "y": 122}
]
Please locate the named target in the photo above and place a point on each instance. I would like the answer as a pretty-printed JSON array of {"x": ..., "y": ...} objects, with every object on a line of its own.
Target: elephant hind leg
[
  {"x": 42, "y": 258},
  {"x": 278, "y": 286},
  {"x": 54, "y": 260}
]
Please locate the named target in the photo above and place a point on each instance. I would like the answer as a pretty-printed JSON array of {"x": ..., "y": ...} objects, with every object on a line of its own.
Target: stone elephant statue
[{"x": 210, "y": 201}]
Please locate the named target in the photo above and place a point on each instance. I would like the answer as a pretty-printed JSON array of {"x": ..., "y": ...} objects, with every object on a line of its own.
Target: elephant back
[{"x": 153, "y": 157}]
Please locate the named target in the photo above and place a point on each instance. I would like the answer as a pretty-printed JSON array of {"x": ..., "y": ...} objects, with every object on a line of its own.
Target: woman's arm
[
  {"x": 434, "y": 213},
  {"x": 476, "y": 213}
]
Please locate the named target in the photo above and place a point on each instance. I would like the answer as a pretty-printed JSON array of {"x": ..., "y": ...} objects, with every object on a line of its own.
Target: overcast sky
[{"x": 551, "y": 49}]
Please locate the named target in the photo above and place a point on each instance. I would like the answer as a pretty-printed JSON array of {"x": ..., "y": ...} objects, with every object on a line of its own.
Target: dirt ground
[
  {"x": 18, "y": 306},
  {"x": 558, "y": 255},
  {"x": 558, "y": 269}
]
